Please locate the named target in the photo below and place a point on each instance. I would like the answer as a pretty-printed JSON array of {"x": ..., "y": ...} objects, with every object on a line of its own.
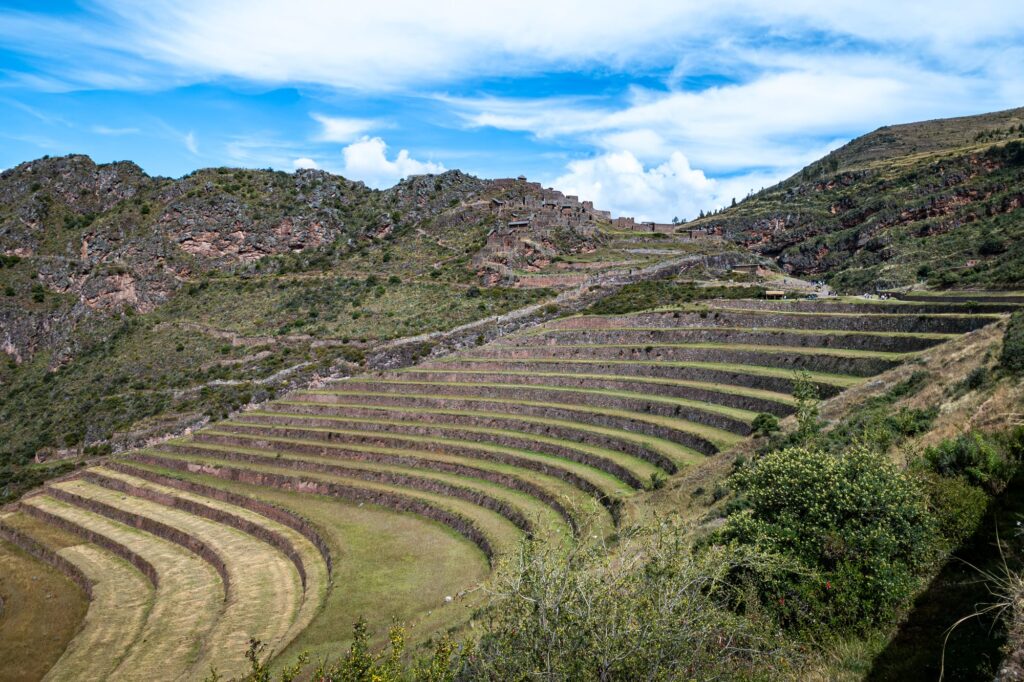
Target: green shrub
[
  {"x": 857, "y": 527},
  {"x": 764, "y": 424},
  {"x": 1012, "y": 358},
  {"x": 654, "y": 611},
  {"x": 981, "y": 459},
  {"x": 957, "y": 506}
]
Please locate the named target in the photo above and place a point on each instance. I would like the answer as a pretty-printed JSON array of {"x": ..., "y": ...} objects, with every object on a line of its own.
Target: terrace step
[
  {"x": 598, "y": 469},
  {"x": 980, "y": 297},
  {"x": 259, "y": 578},
  {"x": 476, "y": 524},
  {"x": 698, "y": 437},
  {"x": 283, "y": 539},
  {"x": 721, "y": 316},
  {"x": 188, "y": 594},
  {"x": 103, "y": 642},
  {"x": 747, "y": 376},
  {"x": 743, "y": 398},
  {"x": 646, "y": 452},
  {"x": 735, "y": 420},
  {"x": 109, "y": 583},
  {"x": 902, "y": 306},
  {"x": 389, "y": 564},
  {"x": 284, "y": 517},
  {"x": 835, "y": 361},
  {"x": 515, "y": 498},
  {"x": 887, "y": 342},
  {"x": 356, "y": 435}
]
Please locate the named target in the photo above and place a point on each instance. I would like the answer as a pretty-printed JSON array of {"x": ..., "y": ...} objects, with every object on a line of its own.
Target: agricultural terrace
[{"x": 390, "y": 495}]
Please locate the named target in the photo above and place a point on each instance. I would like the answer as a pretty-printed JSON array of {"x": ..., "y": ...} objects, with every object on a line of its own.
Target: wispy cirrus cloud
[{"x": 630, "y": 100}]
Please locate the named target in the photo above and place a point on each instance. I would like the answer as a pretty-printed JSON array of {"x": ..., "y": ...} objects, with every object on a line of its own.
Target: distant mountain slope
[
  {"x": 938, "y": 201},
  {"x": 132, "y": 306}
]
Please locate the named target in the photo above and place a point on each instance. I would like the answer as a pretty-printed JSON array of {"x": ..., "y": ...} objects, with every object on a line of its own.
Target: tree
[{"x": 734, "y": 201}]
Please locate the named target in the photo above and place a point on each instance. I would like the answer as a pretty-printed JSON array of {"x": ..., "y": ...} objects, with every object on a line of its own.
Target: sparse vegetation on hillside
[
  {"x": 653, "y": 294},
  {"x": 937, "y": 201}
]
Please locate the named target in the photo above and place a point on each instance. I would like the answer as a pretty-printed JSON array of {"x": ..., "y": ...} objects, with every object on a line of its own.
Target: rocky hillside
[
  {"x": 938, "y": 201},
  {"x": 133, "y": 306}
]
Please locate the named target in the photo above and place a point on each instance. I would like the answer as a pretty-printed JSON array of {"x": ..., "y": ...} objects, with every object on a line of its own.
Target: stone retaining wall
[
  {"x": 979, "y": 297},
  {"x": 497, "y": 421},
  {"x": 779, "y": 359},
  {"x": 427, "y": 485},
  {"x": 753, "y": 320},
  {"x": 843, "y": 340},
  {"x": 337, "y": 451},
  {"x": 690, "y": 440},
  {"x": 921, "y": 306},
  {"x": 707, "y": 375},
  {"x": 147, "y": 569},
  {"x": 542, "y": 394},
  {"x": 387, "y": 438},
  {"x": 522, "y": 442},
  {"x": 723, "y": 397},
  {"x": 389, "y": 500},
  {"x": 273, "y": 512},
  {"x": 272, "y": 538},
  {"x": 152, "y": 526}
]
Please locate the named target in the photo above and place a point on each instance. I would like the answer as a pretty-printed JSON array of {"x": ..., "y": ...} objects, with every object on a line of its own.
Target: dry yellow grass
[
  {"x": 317, "y": 579},
  {"x": 121, "y": 600},
  {"x": 186, "y": 604},
  {"x": 262, "y": 580},
  {"x": 41, "y": 612}
]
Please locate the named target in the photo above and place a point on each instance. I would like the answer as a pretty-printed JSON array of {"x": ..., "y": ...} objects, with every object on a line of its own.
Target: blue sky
[{"x": 653, "y": 109}]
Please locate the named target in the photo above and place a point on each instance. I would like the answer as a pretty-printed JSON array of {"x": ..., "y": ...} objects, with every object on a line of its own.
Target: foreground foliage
[
  {"x": 857, "y": 527},
  {"x": 652, "y": 609}
]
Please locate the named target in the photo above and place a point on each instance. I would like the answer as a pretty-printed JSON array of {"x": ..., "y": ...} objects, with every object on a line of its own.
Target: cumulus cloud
[
  {"x": 304, "y": 162},
  {"x": 367, "y": 160},
  {"x": 341, "y": 129},
  {"x": 619, "y": 182}
]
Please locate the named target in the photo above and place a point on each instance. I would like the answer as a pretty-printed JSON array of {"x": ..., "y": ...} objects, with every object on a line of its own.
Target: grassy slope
[{"x": 42, "y": 611}]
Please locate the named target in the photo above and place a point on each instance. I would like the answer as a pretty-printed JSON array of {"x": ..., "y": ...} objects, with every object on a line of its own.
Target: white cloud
[
  {"x": 618, "y": 181},
  {"x": 190, "y": 142},
  {"x": 340, "y": 129},
  {"x": 388, "y": 45},
  {"x": 367, "y": 160},
  {"x": 305, "y": 162}
]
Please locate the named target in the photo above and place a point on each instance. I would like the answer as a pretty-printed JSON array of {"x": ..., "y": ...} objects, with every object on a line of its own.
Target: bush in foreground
[
  {"x": 857, "y": 528},
  {"x": 650, "y": 610},
  {"x": 1012, "y": 358}
]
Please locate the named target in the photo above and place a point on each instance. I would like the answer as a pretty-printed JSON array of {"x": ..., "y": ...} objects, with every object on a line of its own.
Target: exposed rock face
[{"x": 101, "y": 239}]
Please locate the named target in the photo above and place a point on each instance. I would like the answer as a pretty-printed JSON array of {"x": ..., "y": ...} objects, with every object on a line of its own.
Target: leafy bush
[
  {"x": 764, "y": 424},
  {"x": 956, "y": 505},
  {"x": 1012, "y": 358},
  {"x": 857, "y": 527},
  {"x": 980, "y": 459},
  {"x": 653, "y": 610}
]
